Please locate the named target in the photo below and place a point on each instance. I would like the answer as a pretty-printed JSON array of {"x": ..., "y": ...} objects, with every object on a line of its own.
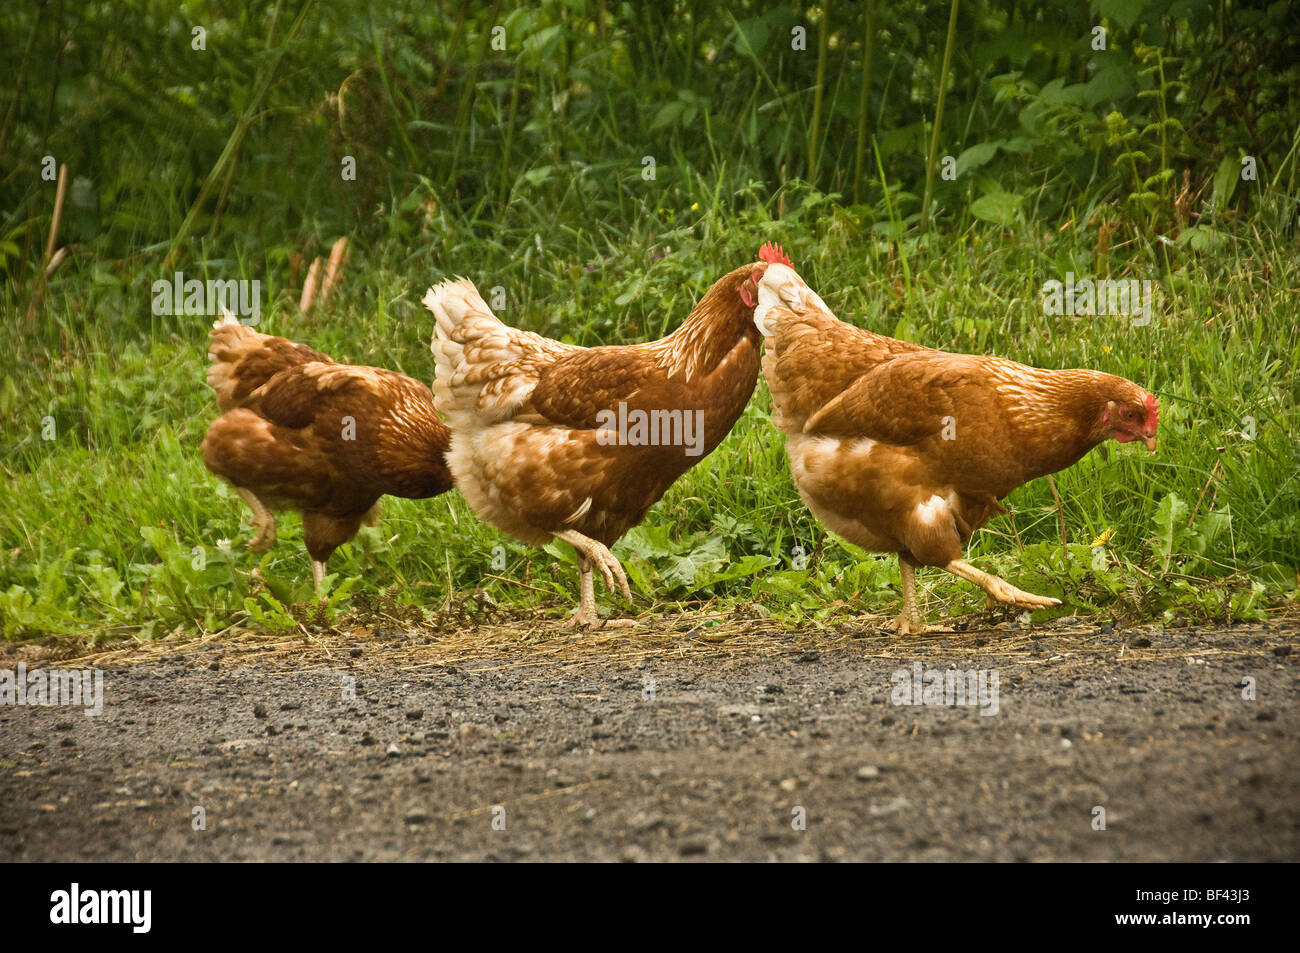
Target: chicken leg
[
  {"x": 591, "y": 552},
  {"x": 999, "y": 589},
  {"x": 909, "y": 621},
  {"x": 263, "y": 519}
]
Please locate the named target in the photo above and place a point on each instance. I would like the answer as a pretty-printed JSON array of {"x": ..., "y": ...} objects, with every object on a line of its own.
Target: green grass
[
  {"x": 522, "y": 168},
  {"x": 103, "y": 525}
]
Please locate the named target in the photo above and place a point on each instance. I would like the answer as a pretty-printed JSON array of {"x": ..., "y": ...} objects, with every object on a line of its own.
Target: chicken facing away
[
  {"x": 904, "y": 449},
  {"x": 550, "y": 440},
  {"x": 301, "y": 432}
]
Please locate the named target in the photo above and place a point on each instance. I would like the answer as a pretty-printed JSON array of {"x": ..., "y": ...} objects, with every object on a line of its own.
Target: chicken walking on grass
[
  {"x": 903, "y": 449},
  {"x": 301, "y": 432},
  {"x": 553, "y": 441}
]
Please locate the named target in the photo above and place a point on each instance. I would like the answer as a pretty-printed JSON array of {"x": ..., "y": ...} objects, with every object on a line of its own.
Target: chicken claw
[
  {"x": 610, "y": 563},
  {"x": 999, "y": 589},
  {"x": 591, "y": 552},
  {"x": 908, "y": 625},
  {"x": 583, "y": 620},
  {"x": 262, "y": 519},
  {"x": 599, "y": 554}
]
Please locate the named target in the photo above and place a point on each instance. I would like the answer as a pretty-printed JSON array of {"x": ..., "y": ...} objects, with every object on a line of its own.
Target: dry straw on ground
[{"x": 529, "y": 642}]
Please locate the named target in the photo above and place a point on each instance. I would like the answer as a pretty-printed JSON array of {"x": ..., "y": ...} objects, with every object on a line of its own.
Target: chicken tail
[
  {"x": 459, "y": 310},
  {"x": 230, "y": 343},
  {"x": 233, "y": 339},
  {"x": 242, "y": 359},
  {"x": 484, "y": 370}
]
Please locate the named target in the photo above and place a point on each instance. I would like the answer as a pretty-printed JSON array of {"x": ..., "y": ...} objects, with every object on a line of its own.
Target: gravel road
[{"x": 1140, "y": 744}]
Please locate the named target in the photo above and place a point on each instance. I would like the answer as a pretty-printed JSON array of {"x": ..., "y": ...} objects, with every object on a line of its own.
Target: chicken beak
[{"x": 1150, "y": 442}]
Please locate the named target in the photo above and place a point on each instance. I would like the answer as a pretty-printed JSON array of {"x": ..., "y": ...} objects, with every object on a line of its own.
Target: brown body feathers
[
  {"x": 301, "y": 432},
  {"x": 532, "y": 447},
  {"x": 905, "y": 449}
]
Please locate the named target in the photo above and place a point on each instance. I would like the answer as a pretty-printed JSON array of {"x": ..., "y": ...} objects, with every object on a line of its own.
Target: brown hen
[
  {"x": 550, "y": 440},
  {"x": 301, "y": 432},
  {"x": 901, "y": 448}
]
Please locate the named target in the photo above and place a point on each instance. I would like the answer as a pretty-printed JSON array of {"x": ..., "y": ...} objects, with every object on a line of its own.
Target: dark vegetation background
[{"x": 524, "y": 167}]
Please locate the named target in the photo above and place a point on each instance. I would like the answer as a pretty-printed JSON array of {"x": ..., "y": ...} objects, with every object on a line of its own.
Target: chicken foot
[
  {"x": 999, "y": 589},
  {"x": 591, "y": 552},
  {"x": 909, "y": 621},
  {"x": 262, "y": 519},
  {"x": 586, "y": 616}
]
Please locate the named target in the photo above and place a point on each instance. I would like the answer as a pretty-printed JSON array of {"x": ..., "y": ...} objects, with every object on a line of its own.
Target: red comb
[
  {"x": 1153, "y": 410},
  {"x": 774, "y": 255}
]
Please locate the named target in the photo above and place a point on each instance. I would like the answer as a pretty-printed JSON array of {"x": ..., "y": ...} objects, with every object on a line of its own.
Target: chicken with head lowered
[
  {"x": 299, "y": 431},
  {"x": 904, "y": 449},
  {"x": 538, "y": 430}
]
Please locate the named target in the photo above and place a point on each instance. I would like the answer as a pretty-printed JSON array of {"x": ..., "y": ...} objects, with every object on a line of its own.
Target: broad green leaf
[
  {"x": 1171, "y": 514},
  {"x": 1000, "y": 208},
  {"x": 1210, "y": 526},
  {"x": 736, "y": 569},
  {"x": 1201, "y": 238},
  {"x": 976, "y": 156},
  {"x": 668, "y": 115},
  {"x": 1226, "y": 178},
  {"x": 1110, "y": 82},
  {"x": 1123, "y": 13}
]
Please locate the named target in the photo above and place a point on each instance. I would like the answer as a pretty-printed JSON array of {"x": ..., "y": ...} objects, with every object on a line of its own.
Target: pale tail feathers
[
  {"x": 455, "y": 303},
  {"x": 229, "y": 343},
  {"x": 484, "y": 370}
]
